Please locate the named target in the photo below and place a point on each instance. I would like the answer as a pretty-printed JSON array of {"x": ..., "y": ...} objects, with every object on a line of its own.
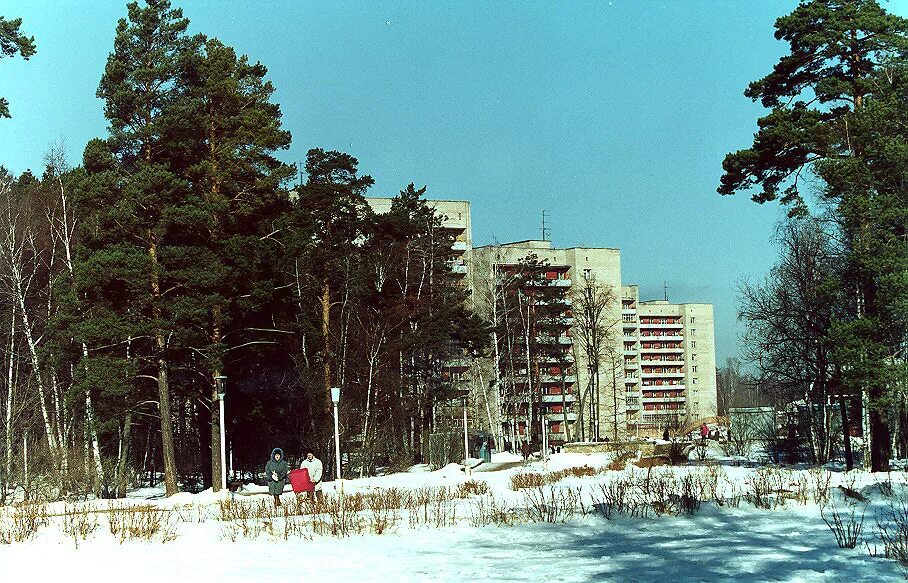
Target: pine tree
[
  {"x": 13, "y": 42},
  {"x": 225, "y": 227},
  {"x": 140, "y": 185},
  {"x": 842, "y": 57}
]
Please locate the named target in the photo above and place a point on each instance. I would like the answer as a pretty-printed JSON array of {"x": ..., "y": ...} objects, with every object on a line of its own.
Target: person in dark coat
[{"x": 276, "y": 473}]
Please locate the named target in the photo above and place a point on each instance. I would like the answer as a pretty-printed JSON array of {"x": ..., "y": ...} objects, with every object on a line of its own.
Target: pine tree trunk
[
  {"x": 125, "y": 450},
  {"x": 880, "y": 445},
  {"x": 325, "y": 301},
  {"x": 215, "y": 425},
  {"x": 170, "y": 465}
]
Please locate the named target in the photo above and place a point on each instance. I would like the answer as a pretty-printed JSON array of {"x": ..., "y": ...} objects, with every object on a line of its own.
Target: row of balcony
[
  {"x": 560, "y": 416},
  {"x": 661, "y": 326},
  {"x": 561, "y": 339},
  {"x": 550, "y": 378},
  {"x": 663, "y": 399},
  {"x": 662, "y": 362},
  {"x": 663, "y": 387},
  {"x": 556, "y": 399},
  {"x": 663, "y": 375},
  {"x": 661, "y": 338}
]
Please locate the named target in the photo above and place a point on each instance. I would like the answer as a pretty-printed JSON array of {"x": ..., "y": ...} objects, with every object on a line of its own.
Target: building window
[
  {"x": 693, "y": 343},
  {"x": 693, "y": 369},
  {"x": 693, "y": 381},
  {"x": 693, "y": 319},
  {"x": 693, "y": 331},
  {"x": 693, "y": 357}
]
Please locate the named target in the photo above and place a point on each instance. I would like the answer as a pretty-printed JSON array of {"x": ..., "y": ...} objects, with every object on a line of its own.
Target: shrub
[
  {"x": 471, "y": 488},
  {"x": 892, "y": 531},
  {"x": 144, "y": 522},
  {"x": 846, "y": 528},
  {"x": 22, "y": 523},
  {"x": 523, "y": 480},
  {"x": 548, "y": 504},
  {"x": 79, "y": 523}
]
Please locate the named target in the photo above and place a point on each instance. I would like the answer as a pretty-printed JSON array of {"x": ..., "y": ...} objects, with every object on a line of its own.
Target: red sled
[{"x": 299, "y": 480}]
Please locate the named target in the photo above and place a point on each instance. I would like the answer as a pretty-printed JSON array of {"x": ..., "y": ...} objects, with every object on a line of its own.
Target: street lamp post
[
  {"x": 221, "y": 382},
  {"x": 335, "y": 398},
  {"x": 466, "y": 442}
]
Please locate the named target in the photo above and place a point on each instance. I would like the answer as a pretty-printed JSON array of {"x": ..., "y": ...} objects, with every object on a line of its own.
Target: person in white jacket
[{"x": 314, "y": 466}]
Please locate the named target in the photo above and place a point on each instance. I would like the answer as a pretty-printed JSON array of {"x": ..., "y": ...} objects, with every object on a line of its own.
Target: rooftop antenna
[
  {"x": 545, "y": 230},
  {"x": 665, "y": 288}
]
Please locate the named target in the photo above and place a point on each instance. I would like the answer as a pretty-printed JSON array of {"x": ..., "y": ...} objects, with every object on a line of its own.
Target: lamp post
[
  {"x": 221, "y": 382},
  {"x": 335, "y": 398},
  {"x": 466, "y": 442}
]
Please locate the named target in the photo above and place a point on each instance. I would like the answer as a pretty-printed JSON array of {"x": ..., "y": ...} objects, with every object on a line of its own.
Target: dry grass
[
  {"x": 654, "y": 461},
  {"x": 142, "y": 522},
  {"x": 22, "y": 523},
  {"x": 471, "y": 488}
]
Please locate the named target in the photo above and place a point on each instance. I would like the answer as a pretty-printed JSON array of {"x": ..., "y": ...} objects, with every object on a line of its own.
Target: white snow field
[{"x": 740, "y": 543}]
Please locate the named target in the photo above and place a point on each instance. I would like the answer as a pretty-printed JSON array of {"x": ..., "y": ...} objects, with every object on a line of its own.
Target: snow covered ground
[{"x": 743, "y": 543}]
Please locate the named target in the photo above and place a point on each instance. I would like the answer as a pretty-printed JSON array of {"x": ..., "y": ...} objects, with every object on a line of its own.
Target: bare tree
[
  {"x": 789, "y": 317},
  {"x": 596, "y": 331}
]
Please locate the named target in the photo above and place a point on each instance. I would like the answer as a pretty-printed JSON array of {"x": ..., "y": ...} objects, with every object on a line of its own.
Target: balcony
[
  {"x": 663, "y": 375},
  {"x": 459, "y": 269},
  {"x": 556, "y": 379},
  {"x": 565, "y": 357},
  {"x": 556, "y": 399},
  {"x": 629, "y": 325},
  {"x": 462, "y": 363},
  {"x": 663, "y": 362},
  {"x": 561, "y": 339},
  {"x": 628, "y": 311},
  {"x": 649, "y": 400},
  {"x": 560, "y": 282},
  {"x": 675, "y": 338},
  {"x": 630, "y": 353},
  {"x": 631, "y": 380},
  {"x": 562, "y": 301},
  {"x": 677, "y": 326},
  {"x": 560, "y": 416},
  {"x": 631, "y": 365},
  {"x": 632, "y": 406},
  {"x": 678, "y": 387},
  {"x": 459, "y": 246}
]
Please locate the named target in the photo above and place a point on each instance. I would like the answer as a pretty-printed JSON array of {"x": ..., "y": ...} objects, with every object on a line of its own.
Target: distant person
[
  {"x": 525, "y": 450},
  {"x": 315, "y": 468},
  {"x": 704, "y": 432},
  {"x": 276, "y": 472},
  {"x": 665, "y": 435}
]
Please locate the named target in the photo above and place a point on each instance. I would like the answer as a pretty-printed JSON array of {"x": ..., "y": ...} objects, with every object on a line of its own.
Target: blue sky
[{"x": 609, "y": 115}]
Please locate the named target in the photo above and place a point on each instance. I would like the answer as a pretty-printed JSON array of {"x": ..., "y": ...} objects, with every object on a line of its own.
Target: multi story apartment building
[
  {"x": 669, "y": 362},
  {"x": 563, "y": 389},
  {"x": 455, "y": 217},
  {"x": 656, "y": 366}
]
